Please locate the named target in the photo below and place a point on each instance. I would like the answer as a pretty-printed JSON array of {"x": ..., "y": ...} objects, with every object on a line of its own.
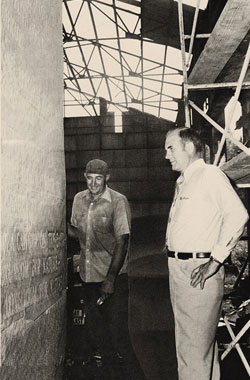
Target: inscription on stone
[
  {"x": 19, "y": 271},
  {"x": 34, "y": 261},
  {"x": 27, "y": 241},
  {"x": 17, "y": 301}
]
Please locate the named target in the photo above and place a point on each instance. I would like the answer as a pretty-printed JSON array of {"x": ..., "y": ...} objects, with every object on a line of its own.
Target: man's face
[
  {"x": 176, "y": 152},
  {"x": 96, "y": 183}
]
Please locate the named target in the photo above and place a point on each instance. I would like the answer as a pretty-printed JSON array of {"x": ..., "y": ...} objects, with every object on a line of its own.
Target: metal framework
[
  {"x": 235, "y": 343},
  {"x": 117, "y": 66},
  {"x": 186, "y": 87},
  {"x": 225, "y": 135}
]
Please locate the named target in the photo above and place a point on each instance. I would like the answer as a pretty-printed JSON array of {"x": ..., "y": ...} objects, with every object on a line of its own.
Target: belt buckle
[
  {"x": 202, "y": 255},
  {"x": 198, "y": 255}
]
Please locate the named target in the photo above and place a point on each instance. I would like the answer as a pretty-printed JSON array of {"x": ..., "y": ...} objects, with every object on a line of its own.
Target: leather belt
[{"x": 189, "y": 255}]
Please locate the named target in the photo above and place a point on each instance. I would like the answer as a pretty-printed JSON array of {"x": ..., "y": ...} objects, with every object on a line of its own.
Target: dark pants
[
  {"x": 107, "y": 327},
  {"x": 98, "y": 321}
]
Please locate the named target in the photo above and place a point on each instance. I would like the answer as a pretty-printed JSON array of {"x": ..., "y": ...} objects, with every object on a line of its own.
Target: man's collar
[
  {"x": 105, "y": 195},
  {"x": 193, "y": 167}
]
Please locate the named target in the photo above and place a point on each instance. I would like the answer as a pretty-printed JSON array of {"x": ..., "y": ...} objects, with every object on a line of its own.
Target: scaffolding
[
  {"x": 205, "y": 86},
  {"x": 234, "y": 9}
]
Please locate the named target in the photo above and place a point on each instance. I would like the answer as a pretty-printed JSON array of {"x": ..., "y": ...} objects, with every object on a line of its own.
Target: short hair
[{"x": 189, "y": 134}]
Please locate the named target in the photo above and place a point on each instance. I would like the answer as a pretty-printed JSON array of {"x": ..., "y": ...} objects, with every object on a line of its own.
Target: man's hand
[
  {"x": 72, "y": 231},
  {"x": 203, "y": 272},
  {"x": 107, "y": 288}
]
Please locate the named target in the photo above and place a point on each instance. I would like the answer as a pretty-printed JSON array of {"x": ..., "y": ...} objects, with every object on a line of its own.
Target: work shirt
[
  {"x": 100, "y": 222},
  {"x": 207, "y": 214}
]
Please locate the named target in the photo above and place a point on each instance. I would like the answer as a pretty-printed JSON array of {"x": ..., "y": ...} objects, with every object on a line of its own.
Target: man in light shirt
[
  {"x": 205, "y": 222},
  {"x": 101, "y": 221}
]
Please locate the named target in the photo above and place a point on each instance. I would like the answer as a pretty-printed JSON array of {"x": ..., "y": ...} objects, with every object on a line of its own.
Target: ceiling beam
[
  {"x": 231, "y": 27},
  {"x": 82, "y": 39}
]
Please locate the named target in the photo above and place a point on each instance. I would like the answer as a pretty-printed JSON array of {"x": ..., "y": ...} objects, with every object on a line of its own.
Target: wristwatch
[{"x": 215, "y": 260}]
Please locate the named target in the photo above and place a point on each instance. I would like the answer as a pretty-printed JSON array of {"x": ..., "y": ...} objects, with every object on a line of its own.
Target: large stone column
[{"x": 33, "y": 256}]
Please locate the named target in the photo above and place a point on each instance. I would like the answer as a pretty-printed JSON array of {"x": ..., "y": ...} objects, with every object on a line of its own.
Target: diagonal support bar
[
  {"x": 235, "y": 343},
  {"x": 234, "y": 103},
  {"x": 219, "y": 128}
]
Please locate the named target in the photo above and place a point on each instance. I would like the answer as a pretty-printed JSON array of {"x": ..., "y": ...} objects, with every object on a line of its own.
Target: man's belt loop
[{"x": 189, "y": 255}]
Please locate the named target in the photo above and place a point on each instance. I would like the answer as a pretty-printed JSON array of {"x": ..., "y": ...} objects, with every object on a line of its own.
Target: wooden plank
[
  {"x": 238, "y": 169},
  {"x": 231, "y": 71},
  {"x": 230, "y": 29}
]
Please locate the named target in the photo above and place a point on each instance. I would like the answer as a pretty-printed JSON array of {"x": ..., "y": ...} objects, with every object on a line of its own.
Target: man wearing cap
[
  {"x": 205, "y": 222},
  {"x": 101, "y": 220}
]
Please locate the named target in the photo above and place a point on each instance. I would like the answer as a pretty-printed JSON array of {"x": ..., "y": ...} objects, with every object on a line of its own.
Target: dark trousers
[
  {"x": 98, "y": 321},
  {"x": 107, "y": 327}
]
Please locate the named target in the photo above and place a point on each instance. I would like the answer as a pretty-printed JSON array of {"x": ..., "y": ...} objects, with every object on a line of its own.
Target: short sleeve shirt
[{"x": 100, "y": 222}]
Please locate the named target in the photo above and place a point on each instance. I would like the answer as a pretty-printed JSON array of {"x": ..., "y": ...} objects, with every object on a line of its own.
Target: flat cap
[{"x": 97, "y": 166}]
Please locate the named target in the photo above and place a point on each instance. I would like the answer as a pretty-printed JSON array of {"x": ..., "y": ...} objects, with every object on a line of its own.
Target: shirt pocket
[
  {"x": 102, "y": 224},
  {"x": 79, "y": 219}
]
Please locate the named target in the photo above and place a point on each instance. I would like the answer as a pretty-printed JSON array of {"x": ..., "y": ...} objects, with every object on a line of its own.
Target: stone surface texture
[{"x": 33, "y": 254}]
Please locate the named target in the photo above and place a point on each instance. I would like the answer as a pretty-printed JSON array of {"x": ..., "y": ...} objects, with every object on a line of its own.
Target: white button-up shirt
[{"x": 207, "y": 215}]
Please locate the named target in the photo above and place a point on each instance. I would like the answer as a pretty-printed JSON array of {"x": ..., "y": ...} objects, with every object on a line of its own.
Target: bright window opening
[
  {"x": 232, "y": 117},
  {"x": 193, "y": 3}
]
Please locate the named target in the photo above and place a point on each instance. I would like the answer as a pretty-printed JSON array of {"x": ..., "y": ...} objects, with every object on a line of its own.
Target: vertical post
[
  {"x": 142, "y": 66},
  {"x": 184, "y": 67},
  {"x": 193, "y": 33},
  {"x": 142, "y": 77}
]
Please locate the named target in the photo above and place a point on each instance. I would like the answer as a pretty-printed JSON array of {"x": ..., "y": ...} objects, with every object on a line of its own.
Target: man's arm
[
  {"x": 122, "y": 227},
  {"x": 234, "y": 218},
  {"x": 117, "y": 262},
  {"x": 72, "y": 231}
]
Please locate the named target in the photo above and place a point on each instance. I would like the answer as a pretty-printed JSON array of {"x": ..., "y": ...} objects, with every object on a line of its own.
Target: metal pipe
[
  {"x": 234, "y": 343},
  {"x": 184, "y": 67},
  {"x": 193, "y": 33}
]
